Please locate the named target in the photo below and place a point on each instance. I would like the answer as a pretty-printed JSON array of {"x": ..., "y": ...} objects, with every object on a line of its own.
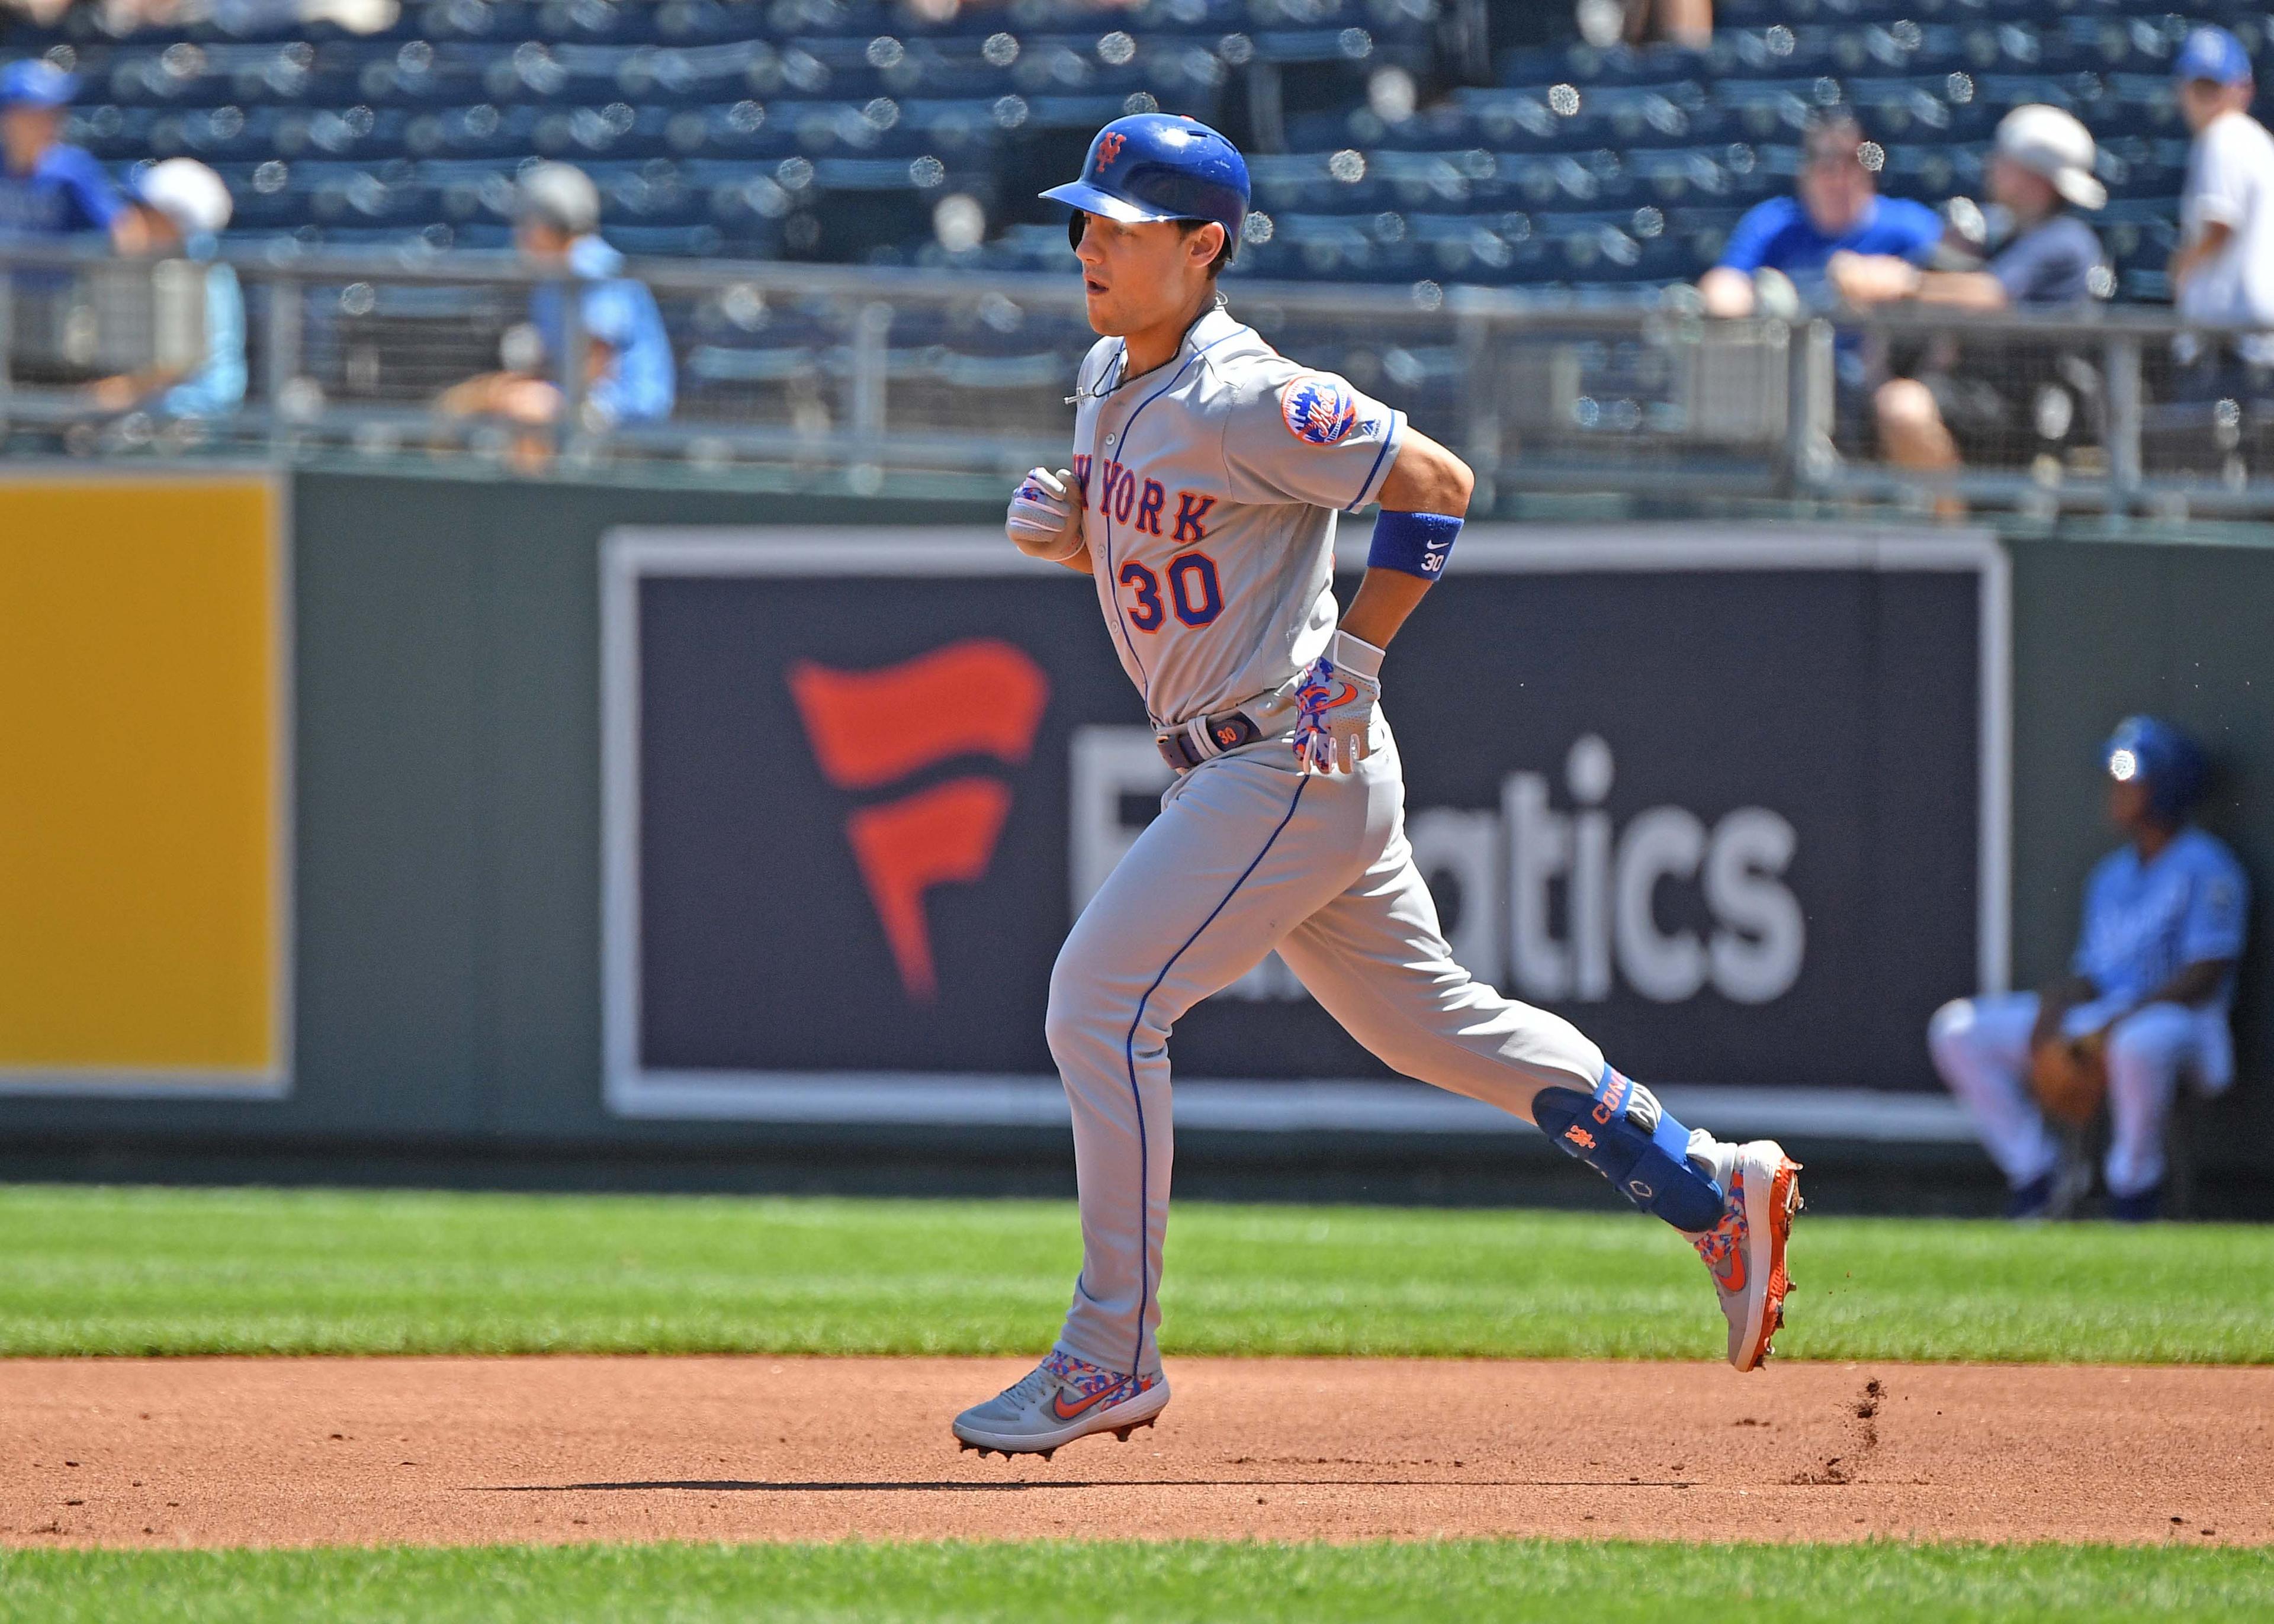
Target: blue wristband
[{"x": 1414, "y": 544}]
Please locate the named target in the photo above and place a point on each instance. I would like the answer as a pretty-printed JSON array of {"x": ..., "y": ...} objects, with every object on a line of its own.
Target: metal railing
[{"x": 858, "y": 373}]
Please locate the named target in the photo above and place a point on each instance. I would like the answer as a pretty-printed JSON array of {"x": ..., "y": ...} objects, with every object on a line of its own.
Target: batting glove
[
  {"x": 1045, "y": 517},
  {"x": 1336, "y": 697}
]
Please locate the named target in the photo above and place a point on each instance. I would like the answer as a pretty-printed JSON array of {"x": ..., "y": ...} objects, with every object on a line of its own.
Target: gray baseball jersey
[{"x": 1210, "y": 489}]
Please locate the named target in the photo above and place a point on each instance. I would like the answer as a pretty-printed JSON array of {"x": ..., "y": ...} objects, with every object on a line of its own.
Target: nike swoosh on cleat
[
  {"x": 1731, "y": 1277},
  {"x": 1058, "y": 1404}
]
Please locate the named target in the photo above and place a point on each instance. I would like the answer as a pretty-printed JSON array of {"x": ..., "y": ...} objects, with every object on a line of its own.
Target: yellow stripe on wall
[{"x": 139, "y": 711}]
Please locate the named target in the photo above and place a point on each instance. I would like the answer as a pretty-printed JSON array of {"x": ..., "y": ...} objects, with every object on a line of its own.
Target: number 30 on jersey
[{"x": 1193, "y": 592}]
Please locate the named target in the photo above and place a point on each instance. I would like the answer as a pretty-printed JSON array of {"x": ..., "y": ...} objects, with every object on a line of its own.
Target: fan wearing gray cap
[
  {"x": 628, "y": 376},
  {"x": 2040, "y": 170},
  {"x": 181, "y": 208}
]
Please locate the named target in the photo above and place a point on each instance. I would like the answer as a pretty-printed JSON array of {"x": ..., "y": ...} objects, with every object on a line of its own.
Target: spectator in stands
[
  {"x": 2151, "y": 980},
  {"x": 119, "y": 18},
  {"x": 2040, "y": 168},
  {"x": 183, "y": 206},
  {"x": 40, "y": 13},
  {"x": 1686, "y": 23},
  {"x": 1837, "y": 206},
  {"x": 628, "y": 367},
  {"x": 48, "y": 189},
  {"x": 2223, "y": 268}
]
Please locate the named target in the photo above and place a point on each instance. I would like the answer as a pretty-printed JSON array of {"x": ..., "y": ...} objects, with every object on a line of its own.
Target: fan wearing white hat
[
  {"x": 182, "y": 208},
  {"x": 2039, "y": 170}
]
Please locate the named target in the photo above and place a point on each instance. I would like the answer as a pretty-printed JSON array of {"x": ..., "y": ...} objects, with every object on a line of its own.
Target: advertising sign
[
  {"x": 145, "y": 850},
  {"x": 1734, "y": 802}
]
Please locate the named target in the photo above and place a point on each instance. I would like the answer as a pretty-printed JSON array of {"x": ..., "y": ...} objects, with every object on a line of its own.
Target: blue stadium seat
[
  {"x": 821, "y": 127},
  {"x": 1767, "y": 109},
  {"x": 1679, "y": 174}
]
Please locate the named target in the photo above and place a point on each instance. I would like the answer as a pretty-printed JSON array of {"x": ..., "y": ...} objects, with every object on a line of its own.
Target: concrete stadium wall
[{"x": 447, "y": 802}]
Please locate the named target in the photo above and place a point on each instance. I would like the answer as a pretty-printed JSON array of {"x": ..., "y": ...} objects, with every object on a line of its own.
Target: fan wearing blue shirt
[
  {"x": 48, "y": 190},
  {"x": 2153, "y": 974},
  {"x": 628, "y": 376},
  {"x": 1836, "y": 208},
  {"x": 2040, "y": 169}
]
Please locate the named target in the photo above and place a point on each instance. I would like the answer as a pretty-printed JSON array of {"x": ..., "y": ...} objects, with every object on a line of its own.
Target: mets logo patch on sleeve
[{"x": 1320, "y": 411}]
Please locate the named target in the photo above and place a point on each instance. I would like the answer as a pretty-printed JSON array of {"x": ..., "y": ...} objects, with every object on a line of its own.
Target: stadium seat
[{"x": 830, "y": 127}]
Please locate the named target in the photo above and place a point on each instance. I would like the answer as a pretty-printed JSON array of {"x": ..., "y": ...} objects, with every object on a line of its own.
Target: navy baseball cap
[
  {"x": 34, "y": 83},
  {"x": 2213, "y": 54}
]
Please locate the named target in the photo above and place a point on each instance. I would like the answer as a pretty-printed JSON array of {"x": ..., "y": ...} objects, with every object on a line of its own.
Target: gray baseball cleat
[
  {"x": 1060, "y": 1400},
  {"x": 1744, "y": 1252}
]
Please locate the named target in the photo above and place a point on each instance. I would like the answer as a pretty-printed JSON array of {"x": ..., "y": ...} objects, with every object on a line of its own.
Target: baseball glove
[{"x": 2069, "y": 1076}]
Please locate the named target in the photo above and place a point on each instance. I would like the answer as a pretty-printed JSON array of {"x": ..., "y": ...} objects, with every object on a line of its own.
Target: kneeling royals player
[
  {"x": 2151, "y": 983},
  {"x": 1207, "y": 473}
]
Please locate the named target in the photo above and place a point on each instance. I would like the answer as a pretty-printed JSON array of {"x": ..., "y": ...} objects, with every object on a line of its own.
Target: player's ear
[{"x": 1206, "y": 246}]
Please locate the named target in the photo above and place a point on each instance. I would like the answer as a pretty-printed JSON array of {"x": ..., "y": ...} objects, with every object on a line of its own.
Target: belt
[{"x": 1205, "y": 738}]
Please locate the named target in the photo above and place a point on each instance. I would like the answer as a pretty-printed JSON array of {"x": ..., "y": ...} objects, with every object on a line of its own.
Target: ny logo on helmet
[{"x": 1110, "y": 145}]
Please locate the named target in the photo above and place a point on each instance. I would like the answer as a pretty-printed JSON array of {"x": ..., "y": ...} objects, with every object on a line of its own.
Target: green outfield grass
[
  {"x": 1602, "y": 1584},
  {"x": 147, "y": 1271}
]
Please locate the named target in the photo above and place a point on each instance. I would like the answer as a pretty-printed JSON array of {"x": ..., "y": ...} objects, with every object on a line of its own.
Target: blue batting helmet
[
  {"x": 2144, "y": 748},
  {"x": 1159, "y": 166}
]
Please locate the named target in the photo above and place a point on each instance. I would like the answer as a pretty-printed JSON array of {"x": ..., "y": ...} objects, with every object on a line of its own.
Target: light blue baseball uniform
[{"x": 2143, "y": 923}]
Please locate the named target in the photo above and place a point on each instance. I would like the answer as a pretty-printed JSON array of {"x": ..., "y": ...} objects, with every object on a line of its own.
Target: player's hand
[
  {"x": 1045, "y": 517},
  {"x": 1336, "y": 697}
]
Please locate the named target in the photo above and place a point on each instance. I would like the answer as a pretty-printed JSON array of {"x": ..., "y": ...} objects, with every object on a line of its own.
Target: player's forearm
[
  {"x": 1426, "y": 478},
  {"x": 1385, "y": 597},
  {"x": 2055, "y": 1000},
  {"x": 2193, "y": 985}
]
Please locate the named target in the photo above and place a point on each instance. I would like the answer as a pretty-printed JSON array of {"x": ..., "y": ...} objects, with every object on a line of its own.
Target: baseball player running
[{"x": 1207, "y": 474}]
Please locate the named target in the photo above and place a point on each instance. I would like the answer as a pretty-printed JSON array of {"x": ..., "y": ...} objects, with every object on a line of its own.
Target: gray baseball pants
[{"x": 1249, "y": 854}]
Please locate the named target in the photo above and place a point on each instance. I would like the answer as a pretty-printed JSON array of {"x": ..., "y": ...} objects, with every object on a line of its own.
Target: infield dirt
[{"x": 303, "y": 1451}]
